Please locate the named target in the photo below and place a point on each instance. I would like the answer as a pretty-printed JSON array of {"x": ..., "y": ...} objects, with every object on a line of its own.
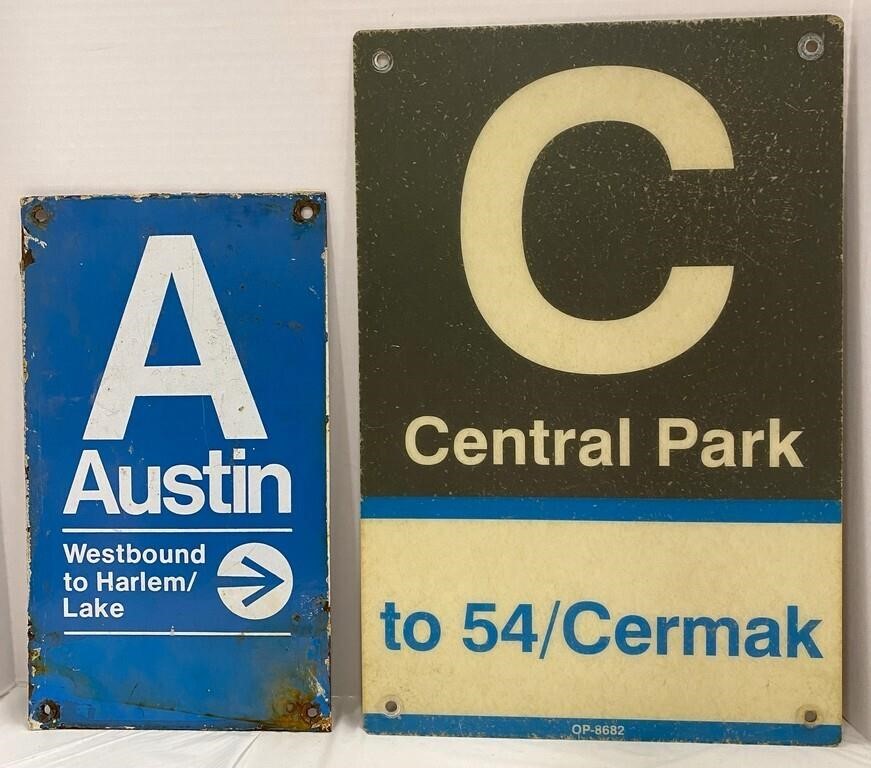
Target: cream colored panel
[{"x": 652, "y": 569}]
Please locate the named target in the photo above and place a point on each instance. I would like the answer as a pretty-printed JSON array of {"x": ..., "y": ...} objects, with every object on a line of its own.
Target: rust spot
[
  {"x": 37, "y": 664},
  {"x": 306, "y": 210},
  {"x": 26, "y": 258},
  {"x": 39, "y": 215},
  {"x": 47, "y": 711},
  {"x": 293, "y": 710}
]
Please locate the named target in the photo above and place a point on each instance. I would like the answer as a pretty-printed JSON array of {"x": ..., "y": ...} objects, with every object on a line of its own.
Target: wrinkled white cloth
[{"x": 349, "y": 747}]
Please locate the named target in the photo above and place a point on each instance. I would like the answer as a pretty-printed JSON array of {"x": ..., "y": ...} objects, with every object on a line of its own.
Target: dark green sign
[{"x": 600, "y": 262}]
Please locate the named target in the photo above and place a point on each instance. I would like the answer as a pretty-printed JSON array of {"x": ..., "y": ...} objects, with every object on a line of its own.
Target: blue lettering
[
  {"x": 570, "y": 635},
  {"x": 800, "y": 637}
]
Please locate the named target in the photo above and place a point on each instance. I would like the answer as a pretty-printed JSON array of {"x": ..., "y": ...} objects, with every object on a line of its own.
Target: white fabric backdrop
[
  {"x": 7, "y": 670},
  {"x": 349, "y": 747},
  {"x": 100, "y": 96}
]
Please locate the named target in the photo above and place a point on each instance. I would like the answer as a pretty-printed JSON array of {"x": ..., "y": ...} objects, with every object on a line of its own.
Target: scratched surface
[
  {"x": 479, "y": 527},
  {"x": 604, "y": 220},
  {"x": 183, "y": 658}
]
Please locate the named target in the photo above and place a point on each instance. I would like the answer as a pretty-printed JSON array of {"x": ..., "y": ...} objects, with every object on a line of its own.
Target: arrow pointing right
[{"x": 267, "y": 580}]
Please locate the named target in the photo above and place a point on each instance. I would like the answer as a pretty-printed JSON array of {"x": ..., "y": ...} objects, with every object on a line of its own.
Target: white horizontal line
[
  {"x": 177, "y": 530},
  {"x": 176, "y": 633}
]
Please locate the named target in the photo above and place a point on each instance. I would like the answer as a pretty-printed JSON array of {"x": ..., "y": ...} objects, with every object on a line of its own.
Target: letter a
[{"x": 219, "y": 374}]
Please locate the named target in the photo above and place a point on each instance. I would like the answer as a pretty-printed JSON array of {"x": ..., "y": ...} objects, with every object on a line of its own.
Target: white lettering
[{"x": 219, "y": 374}]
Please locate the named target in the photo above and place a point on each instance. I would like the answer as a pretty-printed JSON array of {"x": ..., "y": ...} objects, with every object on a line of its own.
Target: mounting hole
[
  {"x": 811, "y": 46},
  {"x": 382, "y": 61},
  {"x": 810, "y": 717},
  {"x": 305, "y": 211},
  {"x": 47, "y": 711},
  {"x": 391, "y": 707},
  {"x": 312, "y": 712},
  {"x": 39, "y": 215}
]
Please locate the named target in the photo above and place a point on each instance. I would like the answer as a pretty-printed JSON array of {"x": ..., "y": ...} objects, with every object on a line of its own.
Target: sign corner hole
[
  {"x": 382, "y": 61},
  {"x": 811, "y": 46}
]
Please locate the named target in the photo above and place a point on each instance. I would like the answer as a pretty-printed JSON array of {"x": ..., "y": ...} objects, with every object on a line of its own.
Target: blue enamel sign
[{"x": 176, "y": 415}]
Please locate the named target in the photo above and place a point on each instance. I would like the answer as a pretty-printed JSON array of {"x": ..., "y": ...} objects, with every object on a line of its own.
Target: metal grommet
[
  {"x": 47, "y": 711},
  {"x": 808, "y": 715},
  {"x": 811, "y": 46},
  {"x": 39, "y": 215},
  {"x": 392, "y": 706},
  {"x": 305, "y": 210},
  {"x": 382, "y": 61}
]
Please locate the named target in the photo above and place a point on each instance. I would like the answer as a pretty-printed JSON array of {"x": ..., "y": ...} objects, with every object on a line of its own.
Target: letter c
[
  {"x": 411, "y": 440},
  {"x": 570, "y": 631},
  {"x": 693, "y": 137}
]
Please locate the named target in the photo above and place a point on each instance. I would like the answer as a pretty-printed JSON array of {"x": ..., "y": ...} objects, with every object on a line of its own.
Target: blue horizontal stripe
[
  {"x": 585, "y": 729},
  {"x": 646, "y": 510}
]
